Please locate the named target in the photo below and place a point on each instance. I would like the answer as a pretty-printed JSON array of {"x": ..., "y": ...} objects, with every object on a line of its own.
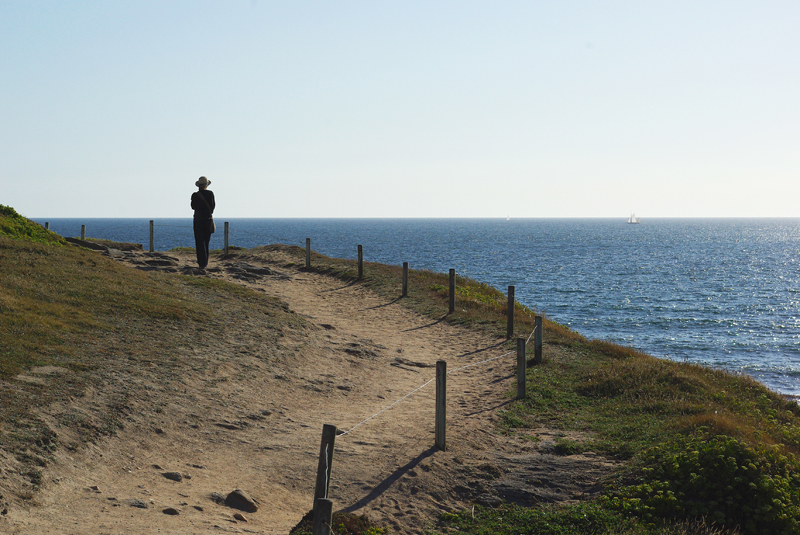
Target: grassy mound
[{"x": 13, "y": 225}]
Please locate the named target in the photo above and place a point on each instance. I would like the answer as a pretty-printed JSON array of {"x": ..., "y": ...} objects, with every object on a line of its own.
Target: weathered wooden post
[
  {"x": 405, "y": 279},
  {"x": 323, "y": 515},
  {"x": 46, "y": 225},
  {"x": 452, "y": 290},
  {"x": 308, "y": 253},
  {"x": 325, "y": 462},
  {"x": 227, "y": 232},
  {"x": 521, "y": 364},
  {"x": 152, "y": 236},
  {"x": 360, "y": 262},
  {"x": 83, "y": 232},
  {"x": 441, "y": 404},
  {"x": 537, "y": 341},
  {"x": 510, "y": 319}
]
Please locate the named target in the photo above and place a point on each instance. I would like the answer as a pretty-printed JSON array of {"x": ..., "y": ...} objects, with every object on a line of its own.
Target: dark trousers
[{"x": 202, "y": 235}]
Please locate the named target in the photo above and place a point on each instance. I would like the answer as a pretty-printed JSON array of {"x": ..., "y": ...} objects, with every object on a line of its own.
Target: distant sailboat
[{"x": 633, "y": 221}]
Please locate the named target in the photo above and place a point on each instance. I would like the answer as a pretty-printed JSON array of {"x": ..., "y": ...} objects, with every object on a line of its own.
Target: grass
[
  {"x": 52, "y": 298},
  {"x": 579, "y": 519},
  {"x": 14, "y": 225}
]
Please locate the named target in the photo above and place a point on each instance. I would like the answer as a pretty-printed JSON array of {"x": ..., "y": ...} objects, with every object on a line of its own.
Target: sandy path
[{"x": 247, "y": 424}]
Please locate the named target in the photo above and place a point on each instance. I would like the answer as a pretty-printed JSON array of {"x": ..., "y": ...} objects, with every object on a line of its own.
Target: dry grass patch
[{"x": 72, "y": 321}]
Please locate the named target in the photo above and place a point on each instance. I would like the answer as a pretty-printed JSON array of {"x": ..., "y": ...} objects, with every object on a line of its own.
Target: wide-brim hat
[{"x": 202, "y": 181}]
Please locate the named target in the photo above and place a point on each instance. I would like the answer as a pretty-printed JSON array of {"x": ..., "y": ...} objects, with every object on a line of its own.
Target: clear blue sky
[{"x": 401, "y": 109}]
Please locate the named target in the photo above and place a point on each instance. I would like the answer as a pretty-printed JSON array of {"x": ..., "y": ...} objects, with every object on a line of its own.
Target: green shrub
[
  {"x": 16, "y": 226},
  {"x": 720, "y": 479},
  {"x": 579, "y": 519}
]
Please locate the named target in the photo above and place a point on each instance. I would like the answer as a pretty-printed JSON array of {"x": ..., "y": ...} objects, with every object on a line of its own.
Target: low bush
[
  {"x": 720, "y": 479},
  {"x": 16, "y": 226}
]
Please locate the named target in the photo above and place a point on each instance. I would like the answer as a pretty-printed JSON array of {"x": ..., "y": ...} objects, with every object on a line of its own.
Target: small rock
[
  {"x": 159, "y": 431},
  {"x": 488, "y": 500},
  {"x": 157, "y": 467},
  {"x": 238, "y": 499},
  {"x": 138, "y": 503},
  {"x": 95, "y": 488},
  {"x": 232, "y": 426},
  {"x": 174, "y": 476},
  {"x": 240, "y": 517},
  {"x": 171, "y": 511},
  {"x": 198, "y": 507}
]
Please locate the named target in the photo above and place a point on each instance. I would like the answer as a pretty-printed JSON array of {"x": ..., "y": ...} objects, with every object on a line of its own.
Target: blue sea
[{"x": 720, "y": 292}]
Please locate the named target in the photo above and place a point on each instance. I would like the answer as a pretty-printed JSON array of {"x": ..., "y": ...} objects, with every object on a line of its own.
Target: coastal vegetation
[{"x": 701, "y": 450}]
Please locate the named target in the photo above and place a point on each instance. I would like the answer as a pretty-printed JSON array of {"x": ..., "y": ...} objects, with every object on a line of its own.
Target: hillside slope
[{"x": 112, "y": 377}]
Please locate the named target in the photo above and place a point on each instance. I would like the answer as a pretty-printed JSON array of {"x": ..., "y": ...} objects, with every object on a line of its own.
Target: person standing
[{"x": 203, "y": 205}]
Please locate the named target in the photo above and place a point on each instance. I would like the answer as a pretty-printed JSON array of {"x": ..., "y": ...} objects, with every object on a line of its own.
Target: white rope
[
  {"x": 481, "y": 362},
  {"x": 429, "y": 382},
  {"x": 531, "y": 336},
  {"x": 387, "y": 408}
]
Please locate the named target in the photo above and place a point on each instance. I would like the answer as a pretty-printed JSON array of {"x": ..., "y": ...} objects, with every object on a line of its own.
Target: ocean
[{"x": 719, "y": 292}]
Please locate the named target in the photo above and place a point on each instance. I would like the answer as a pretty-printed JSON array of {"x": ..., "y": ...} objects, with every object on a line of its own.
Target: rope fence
[
  {"x": 343, "y": 433},
  {"x": 322, "y": 504},
  {"x": 126, "y": 233}
]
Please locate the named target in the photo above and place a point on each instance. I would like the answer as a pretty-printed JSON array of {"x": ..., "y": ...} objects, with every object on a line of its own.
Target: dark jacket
[{"x": 199, "y": 207}]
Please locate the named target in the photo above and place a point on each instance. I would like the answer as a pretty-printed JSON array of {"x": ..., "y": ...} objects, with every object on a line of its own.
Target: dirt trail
[{"x": 245, "y": 423}]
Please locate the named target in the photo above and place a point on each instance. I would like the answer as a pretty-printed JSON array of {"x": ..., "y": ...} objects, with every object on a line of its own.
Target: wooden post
[
  {"x": 46, "y": 225},
  {"x": 325, "y": 462},
  {"x": 521, "y": 368},
  {"x": 510, "y": 324},
  {"x": 323, "y": 515},
  {"x": 308, "y": 253},
  {"x": 452, "y": 290},
  {"x": 405, "y": 279},
  {"x": 152, "y": 236},
  {"x": 537, "y": 341},
  {"x": 441, "y": 404},
  {"x": 83, "y": 232},
  {"x": 227, "y": 231},
  {"x": 360, "y": 262}
]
